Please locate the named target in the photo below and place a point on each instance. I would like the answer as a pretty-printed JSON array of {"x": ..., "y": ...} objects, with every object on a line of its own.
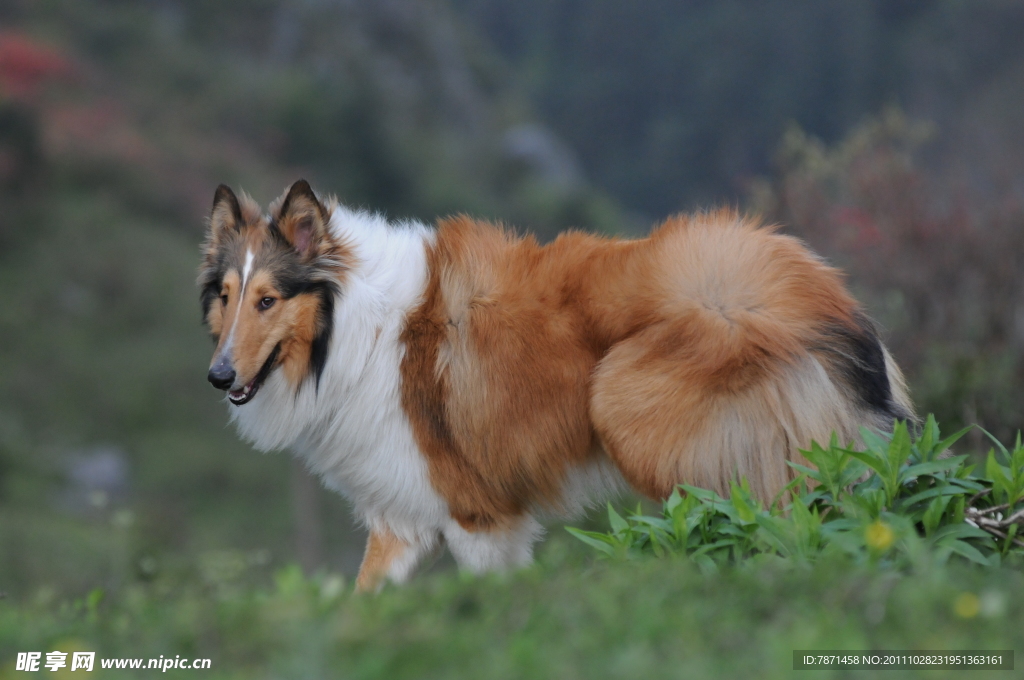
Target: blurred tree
[
  {"x": 21, "y": 166},
  {"x": 307, "y": 517},
  {"x": 674, "y": 105}
]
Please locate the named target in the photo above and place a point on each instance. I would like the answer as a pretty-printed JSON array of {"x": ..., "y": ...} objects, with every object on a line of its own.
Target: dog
[{"x": 457, "y": 383}]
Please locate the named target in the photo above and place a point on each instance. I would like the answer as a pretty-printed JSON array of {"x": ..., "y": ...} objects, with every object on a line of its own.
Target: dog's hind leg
[
  {"x": 389, "y": 556},
  {"x": 507, "y": 545}
]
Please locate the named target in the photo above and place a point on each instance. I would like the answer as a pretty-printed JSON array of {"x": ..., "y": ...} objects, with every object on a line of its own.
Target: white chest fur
[{"x": 353, "y": 432}]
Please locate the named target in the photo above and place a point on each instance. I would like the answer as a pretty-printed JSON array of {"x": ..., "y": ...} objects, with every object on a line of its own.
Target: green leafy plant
[{"x": 900, "y": 499}]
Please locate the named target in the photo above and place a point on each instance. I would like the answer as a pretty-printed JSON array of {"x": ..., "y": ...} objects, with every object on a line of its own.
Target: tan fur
[
  {"x": 721, "y": 382},
  {"x": 297, "y": 330},
  {"x": 382, "y": 549},
  {"x": 496, "y": 372},
  {"x": 289, "y": 322},
  {"x": 693, "y": 356}
]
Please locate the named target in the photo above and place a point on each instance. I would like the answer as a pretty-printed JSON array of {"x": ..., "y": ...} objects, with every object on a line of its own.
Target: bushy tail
[{"x": 757, "y": 351}]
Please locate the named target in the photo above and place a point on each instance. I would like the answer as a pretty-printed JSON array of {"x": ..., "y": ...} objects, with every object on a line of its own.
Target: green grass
[{"x": 566, "y": 617}]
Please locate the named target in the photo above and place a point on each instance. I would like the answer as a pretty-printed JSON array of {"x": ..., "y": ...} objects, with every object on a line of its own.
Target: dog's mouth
[{"x": 245, "y": 395}]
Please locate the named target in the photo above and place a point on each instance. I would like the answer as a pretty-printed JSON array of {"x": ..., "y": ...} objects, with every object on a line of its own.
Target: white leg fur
[{"x": 481, "y": 551}]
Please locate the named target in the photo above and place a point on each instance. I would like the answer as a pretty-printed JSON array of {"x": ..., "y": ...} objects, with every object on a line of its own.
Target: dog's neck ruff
[{"x": 386, "y": 280}]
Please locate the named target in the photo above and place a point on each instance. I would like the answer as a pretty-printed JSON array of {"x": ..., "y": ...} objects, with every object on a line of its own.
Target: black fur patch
[
  {"x": 209, "y": 293},
  {"x": 860, "y": 362},
  {"x": 325, "y": 327}
]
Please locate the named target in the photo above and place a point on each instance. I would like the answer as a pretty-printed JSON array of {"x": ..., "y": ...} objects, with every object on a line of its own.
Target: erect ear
[
  {"x": 226, "y": 214},
  {"x": 302, "y": 219}
]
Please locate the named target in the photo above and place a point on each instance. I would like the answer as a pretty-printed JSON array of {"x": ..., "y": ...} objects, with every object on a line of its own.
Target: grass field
[{"x": 569, "y": 616}]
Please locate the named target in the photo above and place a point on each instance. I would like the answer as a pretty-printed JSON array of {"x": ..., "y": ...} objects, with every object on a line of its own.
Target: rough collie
[{"x": 455, "y": 383}]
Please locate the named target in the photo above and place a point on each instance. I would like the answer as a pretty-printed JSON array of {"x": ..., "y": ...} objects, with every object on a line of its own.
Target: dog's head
[{"x": 267, "y": 288}]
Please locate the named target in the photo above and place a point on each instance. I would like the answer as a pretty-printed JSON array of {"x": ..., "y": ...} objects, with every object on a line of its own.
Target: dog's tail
[
  {"x": 756, "y": 351},
  {"x": 859, "y": 362}
]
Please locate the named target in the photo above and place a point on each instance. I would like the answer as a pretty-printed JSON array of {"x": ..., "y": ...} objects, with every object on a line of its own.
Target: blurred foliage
[
  {"x": 936, "y": 262},
  {"x": 674, "y": 105}
]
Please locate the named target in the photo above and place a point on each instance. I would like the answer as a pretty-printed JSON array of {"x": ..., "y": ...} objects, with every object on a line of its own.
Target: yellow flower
[
  {"x": 879, "y": 536},
  {"x": 966, "y": 605}
]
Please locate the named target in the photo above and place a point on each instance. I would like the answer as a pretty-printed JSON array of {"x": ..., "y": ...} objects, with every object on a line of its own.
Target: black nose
[{"x": 222, "y": 374}]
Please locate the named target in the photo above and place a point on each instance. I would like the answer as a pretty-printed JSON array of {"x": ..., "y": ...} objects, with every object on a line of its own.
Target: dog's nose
[{"x": 222, "y": 374}]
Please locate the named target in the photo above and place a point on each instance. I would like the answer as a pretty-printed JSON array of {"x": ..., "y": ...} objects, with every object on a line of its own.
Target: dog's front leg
[{"x": 390, "y": 557}]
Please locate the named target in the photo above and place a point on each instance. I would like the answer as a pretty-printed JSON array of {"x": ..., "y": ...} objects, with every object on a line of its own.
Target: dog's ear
[
  {"x": 226, "y": 214},
  {"x": 225, "y": 218},
  {"x": 302, "y": 219}
]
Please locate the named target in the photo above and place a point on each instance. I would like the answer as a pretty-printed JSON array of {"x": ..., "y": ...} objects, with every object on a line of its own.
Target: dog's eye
[{"x": 266, "y": 303}]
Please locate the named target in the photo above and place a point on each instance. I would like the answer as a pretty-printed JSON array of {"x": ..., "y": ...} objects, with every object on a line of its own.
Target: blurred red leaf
[{"x": 26, "y": 64}]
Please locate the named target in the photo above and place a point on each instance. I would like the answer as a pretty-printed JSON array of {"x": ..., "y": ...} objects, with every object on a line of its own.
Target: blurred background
[{"x": 887, "y": 133}]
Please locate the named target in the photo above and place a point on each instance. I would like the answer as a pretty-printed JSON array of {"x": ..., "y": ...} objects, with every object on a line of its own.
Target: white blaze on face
[{"x": 246, "y": 270}]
